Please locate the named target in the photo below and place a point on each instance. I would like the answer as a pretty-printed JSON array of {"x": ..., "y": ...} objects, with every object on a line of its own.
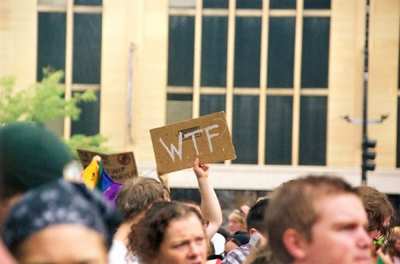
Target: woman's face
[
  {"x": 234, "y": 224},
  {"x": 184, "y": 242},
  {"x": 66, "y": 243}
]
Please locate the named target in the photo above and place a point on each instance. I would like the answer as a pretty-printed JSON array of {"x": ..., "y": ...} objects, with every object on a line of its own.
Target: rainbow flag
[
  {"x": 95, "y": 176},
  {"x": 108, "y": 186}
]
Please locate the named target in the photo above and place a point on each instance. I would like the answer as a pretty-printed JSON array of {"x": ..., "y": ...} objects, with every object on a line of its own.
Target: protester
[
  {"x": 133, "y": 200},
  {"x": 170, "y": 233},
  {"x": 379, "y": 211},
  {"x": 395, "y": 253},
  {"x": 138, "y": 196},
  {"x": 257, "y": 231},
  {"x": 217, "y": 247},
  {"x": 236, "y": 241},
  {"x": 237, "y": 221},
  {"x": 30, "y": 155},
  {"x": 60, "y": 222},
  {"x": 317, "y": 219},
  {"x": 389, "y": 252},
  {"x": 218, "y": 243},
  {"x": 261, "y": 255},
  {"x": 5, "y": 257},
  {"x": 210, "y": 207}
]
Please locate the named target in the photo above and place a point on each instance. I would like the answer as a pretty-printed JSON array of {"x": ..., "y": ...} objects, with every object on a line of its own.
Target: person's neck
[{"x": 123, "y": 232}]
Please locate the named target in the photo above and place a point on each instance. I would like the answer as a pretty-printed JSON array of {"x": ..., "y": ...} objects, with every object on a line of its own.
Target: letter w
[{"x": 172, "y": 151}]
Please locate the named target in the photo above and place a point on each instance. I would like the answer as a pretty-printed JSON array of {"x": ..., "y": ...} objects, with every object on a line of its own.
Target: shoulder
[
  {"x": 118, "y": 254},
  {"x": 237, "y": 255}
]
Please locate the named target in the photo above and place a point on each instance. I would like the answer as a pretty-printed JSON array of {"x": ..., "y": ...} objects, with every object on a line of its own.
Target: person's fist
[{"x": 200, "y": 169}]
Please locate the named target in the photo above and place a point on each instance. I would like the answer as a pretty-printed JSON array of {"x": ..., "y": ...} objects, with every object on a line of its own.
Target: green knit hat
[{"x": 30, "y": 155}]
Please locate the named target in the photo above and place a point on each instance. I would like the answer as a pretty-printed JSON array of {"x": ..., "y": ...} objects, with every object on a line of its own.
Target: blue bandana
[{"x": 59, "y": 202}]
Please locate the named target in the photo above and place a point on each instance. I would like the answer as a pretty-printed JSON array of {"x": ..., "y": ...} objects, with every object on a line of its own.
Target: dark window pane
[
  {"x": 215, "y": 4},
  {"x": 89, "y": 120},
  {"x": 179, "y": 107},
  {"x": 180, "y": 50},
  {"x": 179, "y": 97},
  {"x": 214, "y": 46},
  {"x": 88, "y": 2},
  {"x": 398, "y": 134},
  {"x": 317, "y": 4},
  {"x": 278, "y": 134},
  {"x": 211, "y": 104},
  {"x": 87, "y": 48},
  {"x": 281, "y": 52},
  {"x": 247, "y": 52},
  {"x": 252, "y": 4},
  {"x": 282, "y": 4},
  {"x": 313, "y": 111},
  {"x": 245, "y": 128},
  {"x": 315, "y": 57},
  {"x": 51, "y": 42}
]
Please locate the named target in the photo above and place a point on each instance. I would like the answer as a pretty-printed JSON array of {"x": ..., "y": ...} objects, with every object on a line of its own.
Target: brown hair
[
  {"x": 147, "y": 236},
  {"x": 138, "y": 194},
  {"x": 260, "y": 255},
  {"x": 377, "y": 206},
  {"x": 292, "y": 206}
]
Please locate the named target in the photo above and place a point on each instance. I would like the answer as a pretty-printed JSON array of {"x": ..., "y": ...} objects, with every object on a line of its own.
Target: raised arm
[{"x": 210, "y": 206}]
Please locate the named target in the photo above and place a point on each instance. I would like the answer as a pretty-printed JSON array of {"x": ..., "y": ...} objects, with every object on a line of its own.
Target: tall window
[
  {"x": 266, "y": 66},
  {"x": 69, "y": 39}
]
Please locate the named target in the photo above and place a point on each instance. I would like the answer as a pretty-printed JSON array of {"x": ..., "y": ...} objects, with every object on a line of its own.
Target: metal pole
[
  {"x": 129, "y": 106},
  {"x": 365, "y": 97}
]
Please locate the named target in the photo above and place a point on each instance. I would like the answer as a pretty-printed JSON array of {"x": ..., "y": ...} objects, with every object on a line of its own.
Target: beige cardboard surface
[
  {"x": 119, "y": 166},
  {"x": 177, "y": 145}
]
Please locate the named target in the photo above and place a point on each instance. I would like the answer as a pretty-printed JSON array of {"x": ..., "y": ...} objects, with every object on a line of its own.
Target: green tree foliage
[{"x": 43, "y": 102}]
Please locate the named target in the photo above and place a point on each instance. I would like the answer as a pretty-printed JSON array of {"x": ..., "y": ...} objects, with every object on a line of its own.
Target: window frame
[
  {"x": 70, "y": 9},
  {"x": 299, "y": 13}
]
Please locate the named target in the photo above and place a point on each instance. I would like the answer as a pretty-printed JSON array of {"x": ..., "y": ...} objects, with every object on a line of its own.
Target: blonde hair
[{"x": 239, "y": 216}]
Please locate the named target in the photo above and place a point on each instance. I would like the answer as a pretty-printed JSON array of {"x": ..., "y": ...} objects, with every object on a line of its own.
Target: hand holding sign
[
  {"x": 200, "y": 169},
  {"x": 177, "y": 145}
]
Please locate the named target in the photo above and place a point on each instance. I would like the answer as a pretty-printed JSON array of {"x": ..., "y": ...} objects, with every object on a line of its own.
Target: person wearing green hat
[{"x": 30, "y": 155}]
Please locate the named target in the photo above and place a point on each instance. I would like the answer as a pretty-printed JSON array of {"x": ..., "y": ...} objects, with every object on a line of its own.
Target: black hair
[{"x": 256, "y": 215}]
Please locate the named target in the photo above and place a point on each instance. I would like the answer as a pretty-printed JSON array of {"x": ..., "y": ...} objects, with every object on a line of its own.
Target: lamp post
[{"x": 365, "y": 98}]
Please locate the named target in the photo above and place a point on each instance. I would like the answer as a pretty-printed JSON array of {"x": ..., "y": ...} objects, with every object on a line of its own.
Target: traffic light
[{"x": 368, "y": 154}]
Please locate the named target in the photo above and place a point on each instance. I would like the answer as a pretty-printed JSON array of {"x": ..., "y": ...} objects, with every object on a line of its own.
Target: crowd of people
[{"x": 47, "y": 218}]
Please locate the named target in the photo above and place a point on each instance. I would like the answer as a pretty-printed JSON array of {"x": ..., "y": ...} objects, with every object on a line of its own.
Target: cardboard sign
[
  {"x": 177, "y": 145},
  {"x": 120, "y": 166}
]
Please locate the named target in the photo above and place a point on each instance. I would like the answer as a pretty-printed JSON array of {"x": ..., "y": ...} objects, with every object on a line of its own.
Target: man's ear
[{"x": 295, "y": 243}]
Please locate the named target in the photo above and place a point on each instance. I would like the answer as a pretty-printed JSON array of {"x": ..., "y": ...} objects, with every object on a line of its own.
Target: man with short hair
[
  {"x": 317, "y": 219},
  {"x": 256, "y": 228}
]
